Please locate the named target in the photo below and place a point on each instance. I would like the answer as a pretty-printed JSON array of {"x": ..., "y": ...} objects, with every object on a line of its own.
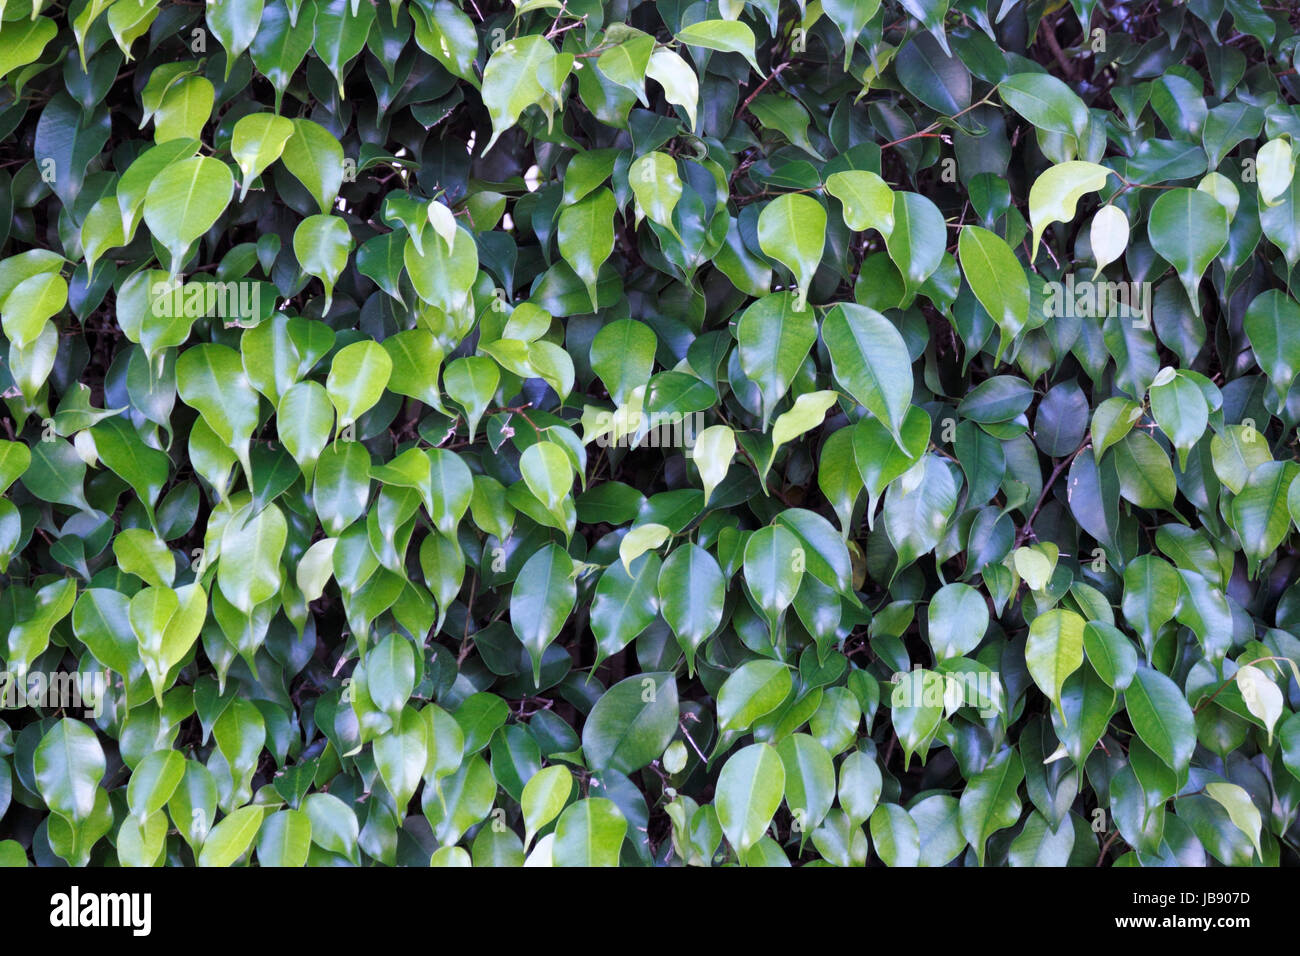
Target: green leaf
[
  {"x": 622, "y": 354},
  {"x": 1180, "y": 410},
  {"x": 29, "y": 636},
  {"x": 792, "y": 230},
  {"x": 625, "y": 63},
  {"x": 1110, "y": 653},
  {"x": 680, "y": 85},
  {"x": 1057, "y": 192},
  {"x": 880, "y": 459},
  {"x": 278, "y": 48},
  {"x": 27, "y": 42},
  {"x": 750, "y": 788},
  {"x": 808, "y": 411},
  {"x": 589, "y": 833},
  {"x": 154, "y": 781},
  {"x": 632, "y": 723},
  {"x": 1274, "y": 169},
  {"x": 231, "y": 838},
  {"x": 33, "y": 301},
  {"x": 1272, "y": 324},
  {"x": 390, "y": 674},
  {"x": 1260, "y": 514},
  {"x": 285, "y": 839},
  {"x": 249, "y": 569},
  {"x": 692, "y": 595},
  {"x": 234, "y": 24},
  {"x": 512, "y": 80},
  {"x": 917, "y": 241},
  {"x": 625, "y": 604},
  {"x": 997, "y": 279},
  {"x": 541, "y": 601},
  {"x": 322, "y": 245},
  {"x": 1046, "y": 102},
  {"x": 1145, "y": 475},
  {"x": 211, "y": 379},
  {"x": 184, "y": 110},
  {"x": 933, "y": 75},
  {"x": 714, "y": 449},
  {"x": 305, "y": 417},
  {"x": 1188, "y": 228},
  {"x": 1262, "y": 697},
  {"x": 990, "y": 801},
  {"x": 184, "y": 201},
  {"x": 544, "y": 797},
  {"x": 442, "y": 278},
  {"x": 867, "y": 200},
  {"x": 451, "y": 488},
  {"x": 341, "y": 30},
  {"x": 859, "y": 787},
  {"x": 639, "y": 540},
  {"x": 402, "y": 754},
  {"x": 752, "y": 691},
  {"x": 725, "y": 36},
  {"x": 895, "y": 835},
  {"x": 932, "y": 14},
  {"x": 471, "y": 382},
  {"x": 1054, "y": 651},
  {"x": 774, "y": 564},
  {"x": 357, "y": 378},
  {"x": 1162, "y": 718},
  {"x": 657, "y": 187},
  {"x": 446, "y": 33},
  {"x": 849, "y": 17},
  {"x": 586, "y": 236},
  {"x": 1241, "y": 810},
  {"x": 916, "y": 516},
  {"x": 333, "y": 824},
  {"x": 315, "y": 158},
  {"x": 958, "y": 618},
  {"x": 870, "y": 360},
  {"x": 809, "y": 780},
  {"x": 69, "y": 764},
  {"x": 773, "y": 337}
]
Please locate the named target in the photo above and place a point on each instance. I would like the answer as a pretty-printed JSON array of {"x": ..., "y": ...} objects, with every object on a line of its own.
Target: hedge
[{"x": 606, "y": 432}]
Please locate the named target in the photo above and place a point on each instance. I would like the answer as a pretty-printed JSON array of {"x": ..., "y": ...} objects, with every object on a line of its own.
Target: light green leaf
[
  {"x": 1054, "y": 651},
  {"x": 184, "y": 201},
  {"x": 322, "y": 244},
  {"x": 1241, "y": 810},
  {"x": 589, "y": 833},
  {"x": 545, "y": 795},
  {"x": 867, "y": 199},
  {"x": 750, "y": 788},
  {"x": 1055, "y": 194},
  {"x": 357, "y": 378},
  {"x": 725, "y": 36},
  {"x": 639, "y": 540},
  {"x": 997, "y": 279}
]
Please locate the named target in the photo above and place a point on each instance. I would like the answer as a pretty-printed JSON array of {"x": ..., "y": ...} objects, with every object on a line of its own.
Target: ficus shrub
[{"x": 683, "y": 433}]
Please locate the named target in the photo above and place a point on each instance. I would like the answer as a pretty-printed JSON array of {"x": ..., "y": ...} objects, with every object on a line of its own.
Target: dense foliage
[{"x": 606, "y": 431}]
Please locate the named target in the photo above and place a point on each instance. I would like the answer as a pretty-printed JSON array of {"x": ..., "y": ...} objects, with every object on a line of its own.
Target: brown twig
[
  {"x": 1028, "y": 527},
  {"x": 762, "y": 86}
]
